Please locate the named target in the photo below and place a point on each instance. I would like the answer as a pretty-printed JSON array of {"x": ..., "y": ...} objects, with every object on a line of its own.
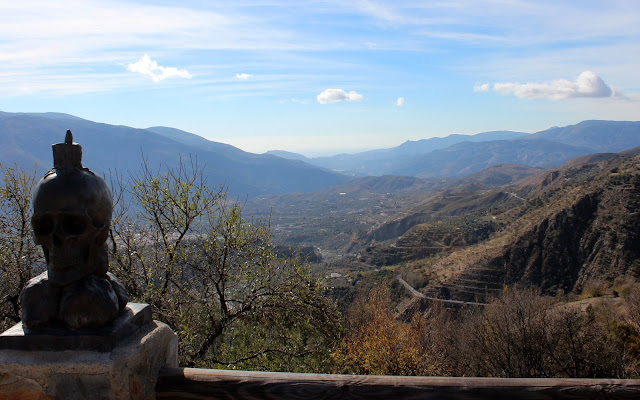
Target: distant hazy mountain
[
  {"x": 51, "y": 115},
  {"x": 459, "y": 155},
  {"x": 597, "y": 136},
  {"x": 26, "y": 139},
  {"x": 187, "y": 138},
  {"x": 466, "y": 157},
  {"x": 428, "y": 145},
  {"x": 387, "y": 161},
  {"x": 288, "y": 155}
]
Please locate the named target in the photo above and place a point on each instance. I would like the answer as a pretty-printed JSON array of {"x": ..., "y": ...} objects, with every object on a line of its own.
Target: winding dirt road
[{"x": 415, "y": 293}]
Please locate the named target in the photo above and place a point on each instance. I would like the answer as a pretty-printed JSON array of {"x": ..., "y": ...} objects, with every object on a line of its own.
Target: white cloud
[
  {"x": 337, "y": 95},
  {"x": 400, "y": 102},
  {"x": 243, "y": 76},
  {"x": 484, "y": 87},
  {"x": 588, "y": 84},
  {"x": 146, "y": 66},
  {"x": 95, "y": 39}
]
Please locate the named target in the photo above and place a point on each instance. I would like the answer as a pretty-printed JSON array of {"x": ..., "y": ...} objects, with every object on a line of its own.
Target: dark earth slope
[{"x": 580, "y": 225}]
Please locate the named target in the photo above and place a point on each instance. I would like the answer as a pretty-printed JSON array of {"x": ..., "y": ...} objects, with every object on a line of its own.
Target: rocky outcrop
[{"x": 588, "y": 231}]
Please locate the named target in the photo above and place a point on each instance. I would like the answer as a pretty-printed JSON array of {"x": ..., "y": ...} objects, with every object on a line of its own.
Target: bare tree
[
  {"x": 20, "y": 258},
  {"x": 216, "y": 278},
  {"x": 524, "y": 334}
]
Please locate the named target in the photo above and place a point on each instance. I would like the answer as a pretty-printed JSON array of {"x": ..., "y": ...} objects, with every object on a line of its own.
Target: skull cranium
[{"x": 72, "y": 215}]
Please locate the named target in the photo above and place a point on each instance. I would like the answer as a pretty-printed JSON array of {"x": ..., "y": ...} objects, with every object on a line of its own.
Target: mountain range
[
  {"x": 27, "y": 140},
  {"x": 460, "y": 155},
  {"x": 27, "y": 137}
]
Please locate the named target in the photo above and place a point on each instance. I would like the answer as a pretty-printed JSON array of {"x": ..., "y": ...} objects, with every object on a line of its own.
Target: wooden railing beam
[{"x": 194, "y": 384}]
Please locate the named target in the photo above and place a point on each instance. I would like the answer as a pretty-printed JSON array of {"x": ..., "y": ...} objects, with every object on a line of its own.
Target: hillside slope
[{"x": 578, "y": 225}]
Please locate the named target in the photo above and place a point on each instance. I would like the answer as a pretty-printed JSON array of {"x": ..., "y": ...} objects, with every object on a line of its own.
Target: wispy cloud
[
  {"x": 338, "y": 95},
  {"x": 148, "y": 67},
  {"x": 511, "y": 41},
  {"x": 376, "y": 10},
  {"x": 481, "y": 87},
  {"x": 588, "y": 84},
  {"x": 295, "y": 100}
]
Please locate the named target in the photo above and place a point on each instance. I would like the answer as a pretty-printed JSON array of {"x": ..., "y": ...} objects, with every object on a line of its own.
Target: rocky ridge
[{"x": 578, "y": 225}]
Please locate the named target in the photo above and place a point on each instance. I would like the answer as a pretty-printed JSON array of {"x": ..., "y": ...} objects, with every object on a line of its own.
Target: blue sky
[{"x": 322, "y": 77}]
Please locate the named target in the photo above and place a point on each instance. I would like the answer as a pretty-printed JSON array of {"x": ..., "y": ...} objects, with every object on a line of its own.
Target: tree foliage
[
  {"x": 378, "y": 343},
  {"x": 20, "y": 259},
  {"x": 519, "y": 334},
  {"x": 215, "y": 278},
  {"x": 522, "y": 334}
]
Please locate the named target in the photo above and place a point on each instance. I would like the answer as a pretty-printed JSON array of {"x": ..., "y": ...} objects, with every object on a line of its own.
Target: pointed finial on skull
[
  {"x": 67, "y": 155},
  {"x": 68, "y": 138}
]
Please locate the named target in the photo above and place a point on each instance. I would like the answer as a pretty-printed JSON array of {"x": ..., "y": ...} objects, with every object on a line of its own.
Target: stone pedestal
[{"x": 128, "y": 371}]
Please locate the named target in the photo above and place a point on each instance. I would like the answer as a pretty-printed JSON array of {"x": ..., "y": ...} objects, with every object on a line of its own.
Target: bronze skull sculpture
[{"x": 72, "y": 215}]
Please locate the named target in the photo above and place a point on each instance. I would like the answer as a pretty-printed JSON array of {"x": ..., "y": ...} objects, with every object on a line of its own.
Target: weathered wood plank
[{"x": 194, "y": 384}]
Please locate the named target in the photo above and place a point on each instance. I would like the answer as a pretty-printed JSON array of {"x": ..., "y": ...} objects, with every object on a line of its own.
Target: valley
[
  {"x": 459, "y": 216},
  {"x": 560, "y": 230}
]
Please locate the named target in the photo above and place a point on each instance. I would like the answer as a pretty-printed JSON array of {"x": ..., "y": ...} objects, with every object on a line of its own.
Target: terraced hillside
[
  {"x": 576, "y": 225},
  {"x": 428, "y": 239}
]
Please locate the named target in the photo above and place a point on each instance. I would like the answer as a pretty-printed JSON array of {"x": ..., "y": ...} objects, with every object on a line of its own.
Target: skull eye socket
[
  {"x": 73, "y": 225},
  {"x": 43, "y": 225}
]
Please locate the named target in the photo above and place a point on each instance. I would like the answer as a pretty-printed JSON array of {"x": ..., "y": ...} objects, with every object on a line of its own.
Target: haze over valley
[{"x": 387, "y": 207}]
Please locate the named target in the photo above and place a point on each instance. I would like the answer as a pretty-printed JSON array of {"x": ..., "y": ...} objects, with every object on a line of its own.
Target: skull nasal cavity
[{"x": 72, "y": 225}]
